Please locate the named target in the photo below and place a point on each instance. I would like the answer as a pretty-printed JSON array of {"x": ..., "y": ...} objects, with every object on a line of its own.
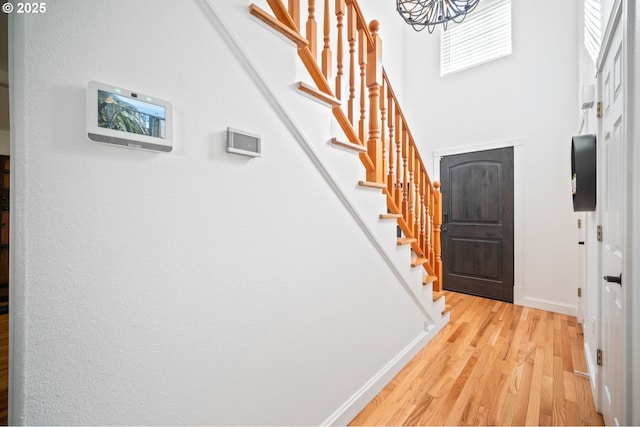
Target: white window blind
[
  {"x": 483, "y": 36},
  {"x": 592, "y": 28}
]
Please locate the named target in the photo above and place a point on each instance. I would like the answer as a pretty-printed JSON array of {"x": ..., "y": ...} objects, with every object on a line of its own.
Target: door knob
[{"x": 614, "y": 279}]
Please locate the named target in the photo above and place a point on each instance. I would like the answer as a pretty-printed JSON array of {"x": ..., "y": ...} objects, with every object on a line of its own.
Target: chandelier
[{"x": 429, "y": 13}]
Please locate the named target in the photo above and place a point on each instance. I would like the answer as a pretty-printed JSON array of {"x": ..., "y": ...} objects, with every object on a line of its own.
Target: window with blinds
[
  {"x": 592, "y": 28},
  {"x": 483, "y": 36}
]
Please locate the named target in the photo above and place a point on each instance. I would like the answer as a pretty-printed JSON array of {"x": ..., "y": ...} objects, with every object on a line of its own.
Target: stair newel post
[
  {"x": 294, "y": 12},
  {"x": 437, "y": 228},
  {"x": 352, "y": 31},
  {"x": 374, "y": 81},
  {"x": 432, "y": 207},
  {"x": 326, "y": 49},
  {"x": 312, "y": 29},
  {"x": 339, "y": 47}
]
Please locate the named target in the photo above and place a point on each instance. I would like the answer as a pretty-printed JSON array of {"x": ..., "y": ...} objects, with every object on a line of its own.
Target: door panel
[
  {"x": 477, "y": 231},
  {"x": 613, "y": 232}
]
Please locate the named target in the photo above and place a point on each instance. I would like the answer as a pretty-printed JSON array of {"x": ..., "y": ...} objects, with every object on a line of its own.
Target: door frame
[
  {"x": 632, "y": 21},
  {"x": 620, "y": 15},
  {"x": 518, "y": 235}
]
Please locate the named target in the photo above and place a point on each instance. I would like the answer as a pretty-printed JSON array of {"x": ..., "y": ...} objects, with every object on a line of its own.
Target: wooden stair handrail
[{"x": 390, "y": 155}]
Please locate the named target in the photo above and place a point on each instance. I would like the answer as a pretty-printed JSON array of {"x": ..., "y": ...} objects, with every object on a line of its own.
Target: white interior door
[{"x": 614, "y": 187}]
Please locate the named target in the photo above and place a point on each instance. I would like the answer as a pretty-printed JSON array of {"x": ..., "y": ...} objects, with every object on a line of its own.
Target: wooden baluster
[
  {"x": 410, "y": 191},
  {"x": 339, "y": 48},
  {"x": 418, "y": 204},
  {"x": 383, "y": 122},
  {"x": 436, "y": 228},
  {"x": 399, "y": 170},
  {"x": 391, "y": 179},
  {"x": 423, "y": 214},
  {"x": 326, "y": 50},
  {"x": 312, "y": 28},
  {"x": 294, "y": 11},
  {"x": 352, "y": 30},
  {"x": 405, "y": 173},
  {"x": 362, "y": 61}
]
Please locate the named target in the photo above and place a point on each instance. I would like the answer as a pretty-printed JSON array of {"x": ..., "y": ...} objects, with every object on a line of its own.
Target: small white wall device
[
  {"x": 128, "y": 119},
  {"x": 587, "y": 97},
  {"x": 241, "y": 142}
]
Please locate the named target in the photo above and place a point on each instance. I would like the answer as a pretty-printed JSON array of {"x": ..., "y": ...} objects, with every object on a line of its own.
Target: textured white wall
[
  {"x": 196, "y": 287},
  {"x": 532, "y": 96}
]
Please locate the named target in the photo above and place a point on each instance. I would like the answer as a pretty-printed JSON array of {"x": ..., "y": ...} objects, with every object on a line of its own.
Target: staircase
[
  {"x": 347, "y": 78},
  {"x": 358, "y": 137}
]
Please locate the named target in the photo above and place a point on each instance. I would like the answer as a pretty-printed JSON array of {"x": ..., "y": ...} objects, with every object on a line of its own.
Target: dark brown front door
[{"x": 477, "y": 229}]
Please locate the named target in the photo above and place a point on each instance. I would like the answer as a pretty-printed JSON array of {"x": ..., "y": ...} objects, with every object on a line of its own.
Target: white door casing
[{"x": 611, "y": 81}]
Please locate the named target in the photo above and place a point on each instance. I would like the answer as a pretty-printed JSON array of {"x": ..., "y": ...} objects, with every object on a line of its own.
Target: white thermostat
[
  {"x": 241, "y": 142},
  {"x": 128, "y": 119}
]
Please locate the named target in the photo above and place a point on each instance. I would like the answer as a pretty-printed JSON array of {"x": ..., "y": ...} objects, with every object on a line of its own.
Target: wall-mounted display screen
[{"x": 129, "y": 119}]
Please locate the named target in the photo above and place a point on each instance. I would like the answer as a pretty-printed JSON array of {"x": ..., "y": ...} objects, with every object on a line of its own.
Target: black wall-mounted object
[{"x": 583, "y": 172}]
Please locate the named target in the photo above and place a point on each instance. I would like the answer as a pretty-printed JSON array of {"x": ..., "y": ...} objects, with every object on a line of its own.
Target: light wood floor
[{"x": 493, "y": 364}]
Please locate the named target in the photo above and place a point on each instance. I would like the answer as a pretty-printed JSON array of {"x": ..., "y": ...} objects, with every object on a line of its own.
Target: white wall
[
  {"x": 195, "y": 287},
  {"x": 530, "y": 96}
]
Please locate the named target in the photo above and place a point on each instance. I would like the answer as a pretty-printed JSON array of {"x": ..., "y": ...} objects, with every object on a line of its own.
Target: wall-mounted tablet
[{"x": 128, "y": 118}]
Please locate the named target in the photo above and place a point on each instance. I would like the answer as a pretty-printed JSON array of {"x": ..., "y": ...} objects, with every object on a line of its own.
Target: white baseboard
[
  {"x": 593, "y": 377},
  {"x": 357, "y": 402},
  {"x": 543, "y": 304}
]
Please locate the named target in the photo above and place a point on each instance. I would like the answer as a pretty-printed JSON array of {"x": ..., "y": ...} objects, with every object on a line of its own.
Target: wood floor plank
[
  {"x": 559, "y": 410},
  {"x": 493, "y": 364}
]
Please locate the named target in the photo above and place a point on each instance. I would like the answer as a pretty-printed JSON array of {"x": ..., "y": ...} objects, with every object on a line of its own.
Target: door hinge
[
  {"x": 599, "y": 109},
  {"x": 599, "y": 357},
  {"x": 579, "y": 292},
  {"x": 579, "y": 223},
  {"x": 599, "y": 233}
]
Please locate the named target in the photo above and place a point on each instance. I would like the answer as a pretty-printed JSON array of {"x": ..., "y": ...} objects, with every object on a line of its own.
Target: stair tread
[
  {"x": 379, "y": 185},
  {"x": 406, "y": 240},
  {"x": 430, "y": 279},
  {"x": 390, "y": 216},
  {"x": 437, "y": 295},
  {"x": 349, "y": 145},
  {"x": 415, "y": 262},
  {"x": 317, "y": 94},
  {"x": 294, "y": 36}
]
